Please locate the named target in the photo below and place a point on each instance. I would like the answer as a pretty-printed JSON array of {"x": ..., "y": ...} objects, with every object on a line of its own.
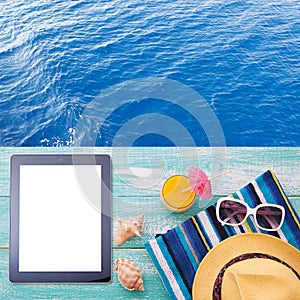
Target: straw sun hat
[{"x": 249, "y": 266}]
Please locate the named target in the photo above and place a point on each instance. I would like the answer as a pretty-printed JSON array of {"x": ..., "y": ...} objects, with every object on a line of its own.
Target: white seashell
[
  {"x": 129, "y": 274},
  {"x": 129, "y": 228}
]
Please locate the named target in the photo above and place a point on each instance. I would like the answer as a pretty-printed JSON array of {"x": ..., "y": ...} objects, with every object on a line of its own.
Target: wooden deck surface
[{"x": 138, "y": 174}]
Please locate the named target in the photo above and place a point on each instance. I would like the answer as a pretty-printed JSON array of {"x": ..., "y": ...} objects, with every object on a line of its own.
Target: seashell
[
  {"x": 129, "y": 274},
  {"x": 129, "y": 228}
]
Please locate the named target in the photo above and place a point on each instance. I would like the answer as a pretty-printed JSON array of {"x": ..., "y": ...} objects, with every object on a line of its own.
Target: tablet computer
[{"x": 60, "y": 218}]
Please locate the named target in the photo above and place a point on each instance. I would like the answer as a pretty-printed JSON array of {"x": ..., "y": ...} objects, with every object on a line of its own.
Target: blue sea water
[{"x": 57, "y": 57}]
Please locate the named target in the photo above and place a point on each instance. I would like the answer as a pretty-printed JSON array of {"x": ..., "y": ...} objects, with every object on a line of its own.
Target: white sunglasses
[{"x": 234, "y": 212}]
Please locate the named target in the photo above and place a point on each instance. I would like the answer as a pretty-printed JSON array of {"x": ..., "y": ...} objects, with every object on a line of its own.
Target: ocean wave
[{"x": 58, "y": 56}]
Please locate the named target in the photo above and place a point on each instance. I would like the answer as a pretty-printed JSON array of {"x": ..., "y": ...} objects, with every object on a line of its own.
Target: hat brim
[{"x": 234, "y": 246}]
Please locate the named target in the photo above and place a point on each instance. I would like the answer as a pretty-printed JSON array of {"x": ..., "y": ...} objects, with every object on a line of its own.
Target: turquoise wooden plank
[
  {"x": 4, "y": 222},
  {"x": 157, "y": 218},
  {"x": 142, "y": 171},
  {"x": 153, "y": 285}
]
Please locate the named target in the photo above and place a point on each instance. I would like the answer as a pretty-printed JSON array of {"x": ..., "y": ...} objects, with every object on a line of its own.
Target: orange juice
[{"x": 172, "y": 195}]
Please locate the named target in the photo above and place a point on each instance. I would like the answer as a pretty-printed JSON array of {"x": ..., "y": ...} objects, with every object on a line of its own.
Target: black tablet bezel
[{"x": 60, "y": 277}]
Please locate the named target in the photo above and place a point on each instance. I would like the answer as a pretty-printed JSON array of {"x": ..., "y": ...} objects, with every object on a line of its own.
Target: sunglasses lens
[
  {"x": 269, "y": 217},
  {"x": 232, "y": 212}
]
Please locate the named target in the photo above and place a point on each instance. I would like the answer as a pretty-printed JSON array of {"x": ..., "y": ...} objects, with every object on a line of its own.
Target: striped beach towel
[{"x": 177, "y": 253}]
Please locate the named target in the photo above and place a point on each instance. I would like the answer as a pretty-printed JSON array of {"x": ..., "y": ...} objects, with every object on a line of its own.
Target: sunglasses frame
[{"x": 250, "y": 211}]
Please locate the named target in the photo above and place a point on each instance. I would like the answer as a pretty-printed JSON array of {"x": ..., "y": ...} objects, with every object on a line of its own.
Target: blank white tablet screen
[{"x": 60, "y": 230}]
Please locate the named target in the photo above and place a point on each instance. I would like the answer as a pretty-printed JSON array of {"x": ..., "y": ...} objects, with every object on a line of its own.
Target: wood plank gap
[
  {"x": 214, "y": 196},
  {"x": 157, "y": 195},
  {"x": 129, "y": 248}
]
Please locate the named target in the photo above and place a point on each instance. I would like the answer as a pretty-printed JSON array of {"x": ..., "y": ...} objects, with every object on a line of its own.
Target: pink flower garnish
[{"x": 200, "y": 183}]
